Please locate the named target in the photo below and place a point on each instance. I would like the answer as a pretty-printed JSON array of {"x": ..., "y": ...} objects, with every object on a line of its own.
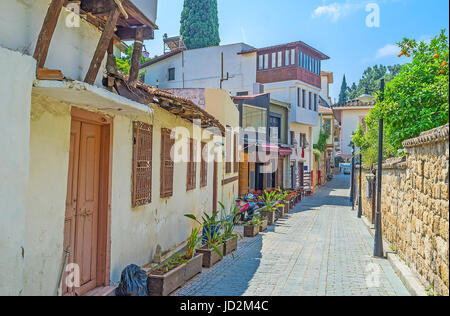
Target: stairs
[{"x": 307, "y": 181}]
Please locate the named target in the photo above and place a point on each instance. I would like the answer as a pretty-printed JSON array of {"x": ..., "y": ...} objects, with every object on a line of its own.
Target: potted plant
[
  {"x": 229, "y": 222},
  {"x": 195, "y": 263},
  {"x": 264, "y": 223},
  {"x": 271, "y": 200},
  {"x": 168, "y": 276},
  {"x": 251, "y": 228},
  {"x": 212, "y": 247}
]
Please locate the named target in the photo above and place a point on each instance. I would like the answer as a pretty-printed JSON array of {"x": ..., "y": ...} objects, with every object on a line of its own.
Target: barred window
[
  {"x": 191, "y": 166},
  {"x": 236, "y": 153},
  {"x": 142, "y": 164},
  {"x": 167, "y": 164},
  {"x": 204, "y": 167}
]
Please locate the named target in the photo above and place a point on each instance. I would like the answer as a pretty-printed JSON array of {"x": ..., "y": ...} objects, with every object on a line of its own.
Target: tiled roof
[
  {"x": 355, "y": 103},
  {"x": 168, "y": 101},
  {"x": 248, "y": 97},
  {"x": 162, "y": 57},
  {"x": 325, "y": 110}
]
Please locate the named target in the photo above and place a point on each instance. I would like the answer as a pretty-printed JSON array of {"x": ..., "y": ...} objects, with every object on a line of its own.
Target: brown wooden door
[
  {"x": 280, "y": 174},
  {"x": 300, "y": 174},
  {"x": 82, "y": 205}
]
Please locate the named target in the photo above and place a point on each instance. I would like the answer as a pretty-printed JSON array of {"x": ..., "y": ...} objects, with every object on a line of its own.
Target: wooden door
[
  {"x": 82, "y": 205},
  {"x": 280, "y": 174},
  {"x": 300, "y": 174}
]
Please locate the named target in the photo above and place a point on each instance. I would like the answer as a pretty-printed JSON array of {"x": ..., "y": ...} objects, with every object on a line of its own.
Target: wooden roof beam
[
  {"x": 47, "y": 30},
  {"x": 102, "y": 46},
  {"x": 136, "y": 57}
]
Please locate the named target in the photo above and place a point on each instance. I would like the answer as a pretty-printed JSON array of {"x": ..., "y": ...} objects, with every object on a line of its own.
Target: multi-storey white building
[{"x": 289, "y": 72}]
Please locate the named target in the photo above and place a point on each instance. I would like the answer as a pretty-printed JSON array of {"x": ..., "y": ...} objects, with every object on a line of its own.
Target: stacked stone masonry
[{"x": 415, "y": 206}]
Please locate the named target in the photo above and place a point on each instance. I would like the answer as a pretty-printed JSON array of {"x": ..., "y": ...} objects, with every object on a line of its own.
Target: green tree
[
  {"x": 370, "y": 80},
  {"x": 123, "y": 63},
  {"x": 200, "y": 23},
  {"x": 416, "y": 100},
  {"x": 343, "y": 95}
]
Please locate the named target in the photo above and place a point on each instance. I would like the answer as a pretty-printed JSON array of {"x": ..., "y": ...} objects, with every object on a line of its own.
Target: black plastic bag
[{"x": 133, "y": 282}]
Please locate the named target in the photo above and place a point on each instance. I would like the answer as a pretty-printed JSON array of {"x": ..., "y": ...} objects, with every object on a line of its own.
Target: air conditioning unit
[{"x": 258, "y": 88}]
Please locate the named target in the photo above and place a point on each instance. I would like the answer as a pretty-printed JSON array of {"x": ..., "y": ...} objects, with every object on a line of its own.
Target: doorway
[{"x": 86, "y": 227}]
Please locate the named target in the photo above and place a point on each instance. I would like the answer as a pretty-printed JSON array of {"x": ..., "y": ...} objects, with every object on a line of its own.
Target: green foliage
[
  {"x": 123, "y": 63},
  {"x": 416, "y": 100},
  {"x": 200, "y": 23},
  {"x": 195, "y": 239},
  {"x": 321, "y": 145},
  {"x": 370, "y": 80},
  {"x": 229, "y": 220},
  {"x": 343, "y": 95},
  {"x": 212, "y": 229},
  {"x": 272, "y": 200}
]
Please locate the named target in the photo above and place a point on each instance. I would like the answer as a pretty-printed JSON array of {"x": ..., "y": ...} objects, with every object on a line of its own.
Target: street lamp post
[
  {"x": 360, "y": 187},
  {"x": 378, "y": 247}
]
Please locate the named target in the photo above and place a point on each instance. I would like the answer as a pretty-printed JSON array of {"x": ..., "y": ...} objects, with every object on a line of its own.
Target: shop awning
[{"x": 282, "y": 151}]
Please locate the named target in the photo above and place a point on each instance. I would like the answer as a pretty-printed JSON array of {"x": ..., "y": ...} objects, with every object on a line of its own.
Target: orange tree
[{"x": 416, "y": 100}]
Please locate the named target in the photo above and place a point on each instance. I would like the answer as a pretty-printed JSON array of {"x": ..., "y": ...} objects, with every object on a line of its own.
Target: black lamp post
[
  {"x": 360, "y": 187},
  {"x": 378, "y": 247},
  {"x": 352, "y": 192}
]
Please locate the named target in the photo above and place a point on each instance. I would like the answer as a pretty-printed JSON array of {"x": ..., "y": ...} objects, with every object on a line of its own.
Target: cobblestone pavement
[{"x": 320, "y": 248}]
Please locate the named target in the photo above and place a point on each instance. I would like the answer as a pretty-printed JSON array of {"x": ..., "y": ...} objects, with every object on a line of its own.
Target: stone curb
[{"x": 408, "y": 277}]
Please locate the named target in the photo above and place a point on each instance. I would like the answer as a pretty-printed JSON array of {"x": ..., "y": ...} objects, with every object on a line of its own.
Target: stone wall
[{"x": 415, "y": 206}]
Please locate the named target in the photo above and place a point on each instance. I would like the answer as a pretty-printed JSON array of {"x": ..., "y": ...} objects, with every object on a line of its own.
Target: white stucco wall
[
  {"x": 201, "y": 68},
  {"x": 71, "y": 49},
  {"x": 137, "y": 232},
  {"x": 47, "y": 189},
  {"x": 15, "y": 103},
  {"x": 286, "y": 91},
  {"x": 350, "y": 122}
]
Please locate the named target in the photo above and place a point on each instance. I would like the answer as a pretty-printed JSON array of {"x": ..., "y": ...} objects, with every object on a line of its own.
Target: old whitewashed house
[{"x": 85, "y": 163}]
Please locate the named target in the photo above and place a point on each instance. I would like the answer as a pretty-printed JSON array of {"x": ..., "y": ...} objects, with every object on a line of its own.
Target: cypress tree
[
  {"x": 343, "y": 95},
  {"x": 200, "y": 23}
]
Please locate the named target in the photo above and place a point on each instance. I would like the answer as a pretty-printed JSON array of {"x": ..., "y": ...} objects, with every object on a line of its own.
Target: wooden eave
[
  {"x": 179, "y": 106},
  {"x": 96, "y": 13}
]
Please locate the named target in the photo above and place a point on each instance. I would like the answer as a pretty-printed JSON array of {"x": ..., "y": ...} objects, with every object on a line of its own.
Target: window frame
[
  {"x": 142, "y": 168},
  {"x": 191, "y": 172},
  {"x": 172, "y": 69},
  {"x": 203, "y": 166},
  {"x": 166, "y": 162}
]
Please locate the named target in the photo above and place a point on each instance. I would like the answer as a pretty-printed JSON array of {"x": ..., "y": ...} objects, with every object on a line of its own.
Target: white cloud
[
  {"x": 388, "y": 50},
  {"x": 336, "y": 10}
]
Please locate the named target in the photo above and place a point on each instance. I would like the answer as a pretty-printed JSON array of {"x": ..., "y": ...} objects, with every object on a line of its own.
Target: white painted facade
[
  {"x": 201, "y": 68},
  {"x": 35, "y": 126},
  {"x": 351, "y": 118}
]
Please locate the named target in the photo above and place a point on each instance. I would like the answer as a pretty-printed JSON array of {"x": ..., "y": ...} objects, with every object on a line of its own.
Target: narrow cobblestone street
[{"x": 321, "y": 248}]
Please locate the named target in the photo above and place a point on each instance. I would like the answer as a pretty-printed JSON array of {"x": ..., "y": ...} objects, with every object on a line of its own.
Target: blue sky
[{"x": 337, "y": 28}]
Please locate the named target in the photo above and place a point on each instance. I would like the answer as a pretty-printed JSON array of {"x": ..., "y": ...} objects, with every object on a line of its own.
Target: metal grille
[{"x": 142, "y": 164}]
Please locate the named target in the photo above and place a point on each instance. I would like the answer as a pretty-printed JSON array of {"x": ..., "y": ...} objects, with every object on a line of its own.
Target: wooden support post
[
  {"x": 136, "y": 58},
  {"x": 102, "y": 46},
  {"x": 47, "y": 30}
]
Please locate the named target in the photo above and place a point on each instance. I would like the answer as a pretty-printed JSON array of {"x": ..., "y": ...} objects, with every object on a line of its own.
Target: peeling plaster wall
[
  {"x": 137, "y": 232},
  {"x": 47, "y": 188},
  {"x": 71, "y": 48},
  {"x": 15, "y": 103}
]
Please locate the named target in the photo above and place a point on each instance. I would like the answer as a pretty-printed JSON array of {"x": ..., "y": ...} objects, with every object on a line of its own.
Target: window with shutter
[
  {"x": 142, "y": 164},
  {"x": 191, "y": 166},
  {"x": 228, "y": 156},
  {"x": 203, "y": 167},
  {"x": 167, "y": 164},
  {"x": 236, "y": 153}
]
